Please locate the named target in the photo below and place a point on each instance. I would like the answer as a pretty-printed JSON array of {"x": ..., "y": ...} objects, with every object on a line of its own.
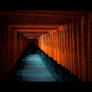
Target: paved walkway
[{"x": 35, "y": 69}]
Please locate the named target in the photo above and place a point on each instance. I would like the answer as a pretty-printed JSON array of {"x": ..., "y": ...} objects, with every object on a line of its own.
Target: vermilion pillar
[
  {"x": 90, "y": 47},
  {"x": 84, "y": 35},
  {"x": 79, "y": 58}
]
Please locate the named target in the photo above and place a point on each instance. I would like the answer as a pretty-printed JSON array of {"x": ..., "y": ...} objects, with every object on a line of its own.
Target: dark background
[{"x": 46, "y": 5}]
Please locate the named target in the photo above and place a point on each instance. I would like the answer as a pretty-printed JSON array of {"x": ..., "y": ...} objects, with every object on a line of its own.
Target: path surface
[{"x": 35, "y": 69}]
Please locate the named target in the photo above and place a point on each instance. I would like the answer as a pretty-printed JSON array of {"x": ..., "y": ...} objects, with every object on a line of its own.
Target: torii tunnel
[{"x": 46, "y": 45}]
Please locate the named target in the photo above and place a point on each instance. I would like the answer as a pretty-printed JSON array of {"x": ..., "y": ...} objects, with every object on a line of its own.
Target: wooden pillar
[
  {"x": 84, "y": 35},
  {"x": 75, "y": 63},
  {"x": 79, "y": 57},
  {"x": 15, "y": 45},
  {"x": 70, "y": 47},
  {"x": 3, "y": 51},
  {"x": 90, "y": 47},
  {"x": 62, "y": 46},
  {"x": 69, "y": 56},
  {"x": 68, "y": 43},
  {"x": 53, "y": 45},
  {"x": 59, "y": 46},
  {"x": 57, "y": 36},
  {"x": 75, "y": 50}
]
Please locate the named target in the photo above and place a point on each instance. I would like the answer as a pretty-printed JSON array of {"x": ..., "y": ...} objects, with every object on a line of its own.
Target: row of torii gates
[{"x": 65, "y": 36}]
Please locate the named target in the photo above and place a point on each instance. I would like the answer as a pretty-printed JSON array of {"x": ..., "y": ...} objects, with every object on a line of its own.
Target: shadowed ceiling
[{"x": 34, "y": 23}]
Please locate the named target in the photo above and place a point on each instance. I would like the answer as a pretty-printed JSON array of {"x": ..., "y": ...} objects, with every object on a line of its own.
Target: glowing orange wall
[{"x": 71, "y": 46}]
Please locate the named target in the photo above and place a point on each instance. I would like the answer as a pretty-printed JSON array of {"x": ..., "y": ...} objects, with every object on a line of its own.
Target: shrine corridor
[
  {"x": 46, "y": 46},
  {"x": 34, "y": 67}
]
